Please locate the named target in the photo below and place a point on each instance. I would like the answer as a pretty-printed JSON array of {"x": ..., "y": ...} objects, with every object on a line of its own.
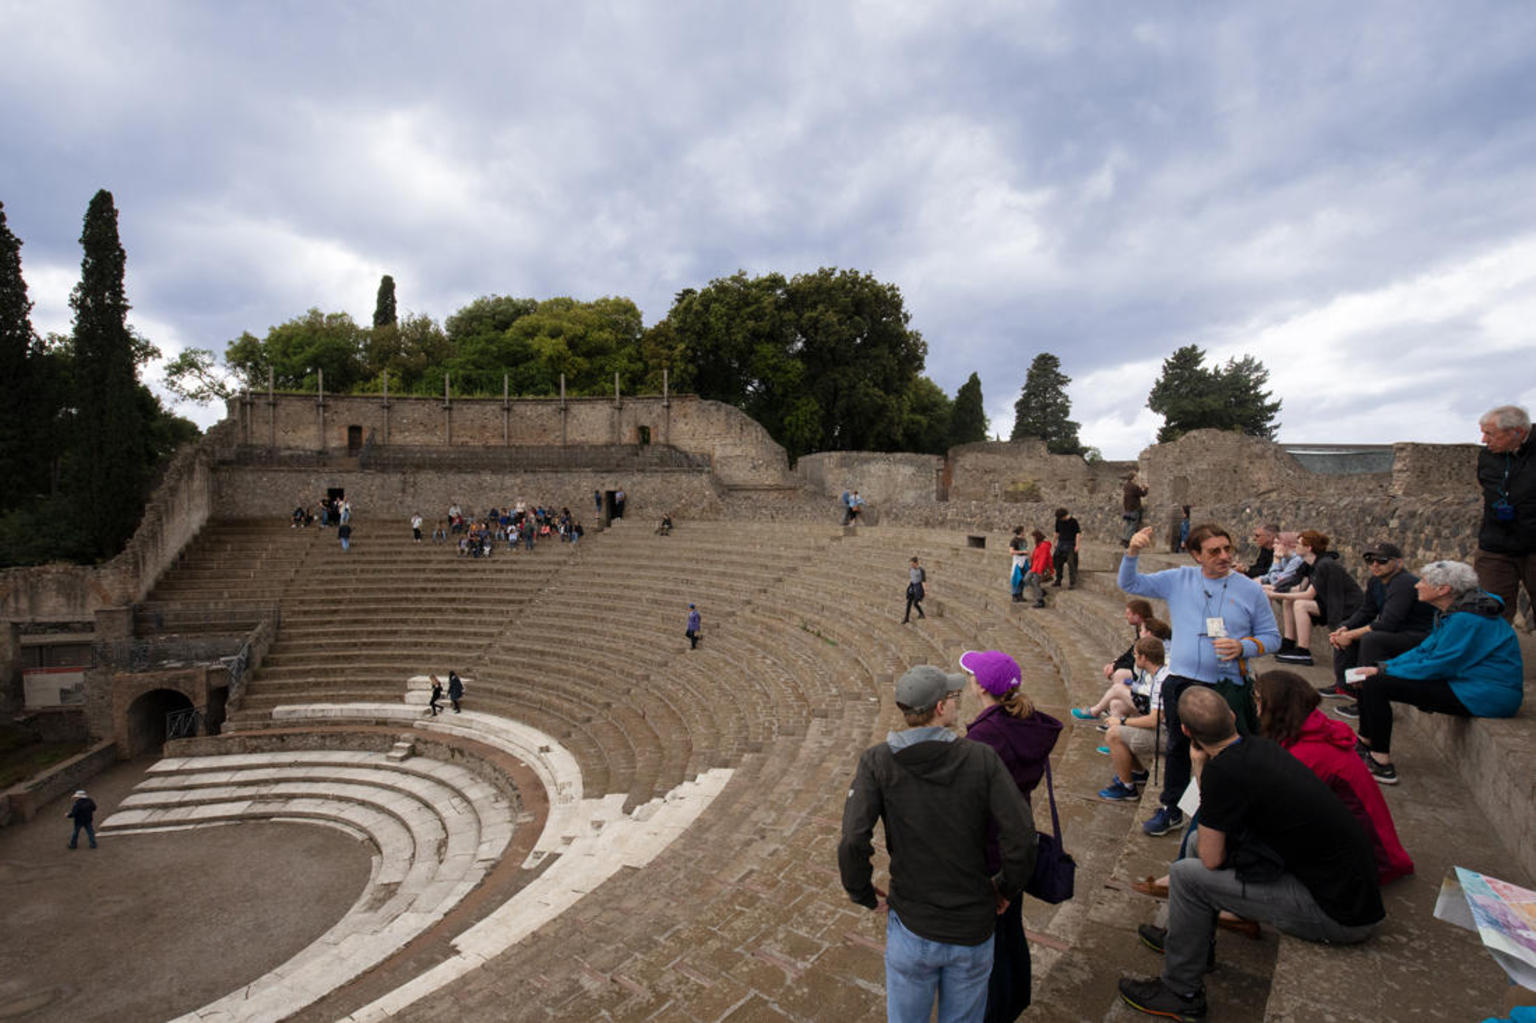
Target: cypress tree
[
  {"x": 22, "y": 462},
  {"x": 108, "y": 460},
  {"x": 1043, "y": 408},
  {"x": 968, "y": 421},
  {"x": 384, "y": 304}
]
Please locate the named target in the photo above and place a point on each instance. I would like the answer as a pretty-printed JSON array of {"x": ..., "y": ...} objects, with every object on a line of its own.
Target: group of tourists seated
[{"x": 520, "y": 523}]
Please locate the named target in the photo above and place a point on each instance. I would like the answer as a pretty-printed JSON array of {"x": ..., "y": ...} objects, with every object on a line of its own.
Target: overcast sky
[{"x": 1347, "y": 191}]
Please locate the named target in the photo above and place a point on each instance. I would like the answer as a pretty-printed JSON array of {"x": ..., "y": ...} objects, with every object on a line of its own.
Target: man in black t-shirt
[
  {"x": 1067, "y": 533},
  {"x": 1274, "y": 844}
]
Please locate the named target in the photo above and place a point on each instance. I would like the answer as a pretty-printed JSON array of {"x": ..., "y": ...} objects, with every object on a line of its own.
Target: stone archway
[{"x": 145, "y": 724}]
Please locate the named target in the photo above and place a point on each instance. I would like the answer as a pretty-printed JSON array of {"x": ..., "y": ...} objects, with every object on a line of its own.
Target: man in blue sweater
[{"x": 1220, "y": 619}]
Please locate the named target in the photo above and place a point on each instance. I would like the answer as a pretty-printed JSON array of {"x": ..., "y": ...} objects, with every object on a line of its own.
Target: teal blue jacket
[{"x": 1474, "y": 649}]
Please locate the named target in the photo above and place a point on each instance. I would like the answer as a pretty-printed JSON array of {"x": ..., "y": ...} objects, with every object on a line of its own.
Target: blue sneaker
[
  {"x": 1140, "y": 777},
  {"x": 1166, "y": 819},
  {"x": 1118, "y": 791},
  {"x": 1102, "y": 750},
  {"x": 1081, "y": 713}
]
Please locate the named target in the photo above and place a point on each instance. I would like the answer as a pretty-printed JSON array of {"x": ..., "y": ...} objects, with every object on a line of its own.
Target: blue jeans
[
  {"x": 916, "y": 968},
  {"x": 90, "y": 833}
]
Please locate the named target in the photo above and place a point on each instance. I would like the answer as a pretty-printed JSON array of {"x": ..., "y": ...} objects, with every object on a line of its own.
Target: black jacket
[
  {"x": 1516, "y": 535},
  {"x": 1338, "y": 595},
  {"x": 1394, "y": 607},
  {"x": 936, "y": 799}
]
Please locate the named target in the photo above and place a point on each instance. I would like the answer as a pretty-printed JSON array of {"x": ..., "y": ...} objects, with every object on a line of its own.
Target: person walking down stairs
[{"x": 916, "y": 578}]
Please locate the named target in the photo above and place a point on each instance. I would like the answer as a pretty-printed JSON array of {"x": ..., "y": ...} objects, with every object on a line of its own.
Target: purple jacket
[{"x": 1023, "y": 744}]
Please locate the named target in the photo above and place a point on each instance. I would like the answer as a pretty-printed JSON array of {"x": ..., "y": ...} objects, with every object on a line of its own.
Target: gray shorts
[{"x": 1138, "y": 740}]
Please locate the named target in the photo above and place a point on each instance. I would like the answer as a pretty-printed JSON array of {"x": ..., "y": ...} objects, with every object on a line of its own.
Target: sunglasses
[{"x": 1376, "y": 559}]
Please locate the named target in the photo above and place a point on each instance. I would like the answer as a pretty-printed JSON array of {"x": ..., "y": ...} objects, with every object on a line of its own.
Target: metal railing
[{"x": 183, "y": 724}]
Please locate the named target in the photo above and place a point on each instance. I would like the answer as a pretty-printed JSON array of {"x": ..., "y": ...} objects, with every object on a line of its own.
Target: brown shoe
[{"x": 1149, "y": 886}]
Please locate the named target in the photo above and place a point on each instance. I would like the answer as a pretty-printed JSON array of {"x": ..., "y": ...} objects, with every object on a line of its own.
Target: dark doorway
[
  {"x": 354, "y": 439},
  {"x": 645, "y": 435},
  {"x": 335, "y": 494},
  {"x": 218, "y": 702},
  {"x": 146, "y": 719}
]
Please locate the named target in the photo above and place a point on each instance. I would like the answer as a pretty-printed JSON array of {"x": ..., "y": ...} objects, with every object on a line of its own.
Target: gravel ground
[{"x": 150, "y": 926}]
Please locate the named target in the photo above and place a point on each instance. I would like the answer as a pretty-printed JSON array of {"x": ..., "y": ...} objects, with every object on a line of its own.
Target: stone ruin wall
[{"x": 740, "y": 450}]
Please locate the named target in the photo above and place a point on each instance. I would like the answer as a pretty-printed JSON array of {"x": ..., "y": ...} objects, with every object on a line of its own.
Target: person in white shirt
[{"x": 1133, "y": 731}]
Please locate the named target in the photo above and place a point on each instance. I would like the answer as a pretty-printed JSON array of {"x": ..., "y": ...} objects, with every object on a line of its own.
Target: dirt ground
[{"x": 150, "y": 926}]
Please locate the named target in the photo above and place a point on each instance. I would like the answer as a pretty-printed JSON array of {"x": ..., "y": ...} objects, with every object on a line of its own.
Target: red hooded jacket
[{"x": 1328, "y": 748}]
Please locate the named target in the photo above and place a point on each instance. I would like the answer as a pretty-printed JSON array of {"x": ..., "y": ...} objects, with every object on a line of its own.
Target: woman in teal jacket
[{"x": 1469, "y": 665}]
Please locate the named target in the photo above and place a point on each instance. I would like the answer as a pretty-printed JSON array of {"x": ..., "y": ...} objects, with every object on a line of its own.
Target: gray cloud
[{"x": 1103, "y": 182}]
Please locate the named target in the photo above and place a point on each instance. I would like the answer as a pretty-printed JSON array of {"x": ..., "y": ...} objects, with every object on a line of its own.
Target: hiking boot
[
  {"x": 1348, "y": 710},
  {"x": 1118, "y": 791},
  {"x": 1297, "y": 656},
  {"x": 1155, "y": 998},
  {"x": 1166, "y": 819},
  {"x": 1155, "y": 938},
  {"x": 1385, "y": 774}
]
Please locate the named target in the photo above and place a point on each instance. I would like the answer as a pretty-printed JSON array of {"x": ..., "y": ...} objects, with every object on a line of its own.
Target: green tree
[
  {"x": 194, "y": 376},
  {"x": 824, "y": 361},
  {"x": 384, "y": 303},
  {"x": 24, "y": 416},
  {"x": 108, "y": 464},
  {"x": 968, "y": 423},
  {"x": 296, "y": 353},
  {"x": 486, "y": 317},
  {"x": 1043, "y": 408},
  {"x": 412, "y": 352},
  {"x": 1190, "y": 396},
  {"x": 925, "y": 418}
]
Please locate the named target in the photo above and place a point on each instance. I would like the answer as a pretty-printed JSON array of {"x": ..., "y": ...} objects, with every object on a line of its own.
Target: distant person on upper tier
[
  {"x": 434, "y": 702},
  {"x": 1273, "y": 844},
  {"x": 455, "y": 690},
  {"x": 916, "y": 590},
  {"x": 1018, "y": 554},
  {"x": 416, "y": 527},
  {"x": 1264, "y": 538},
  {"x": 1178, "y": 529},
  {"x": 1130, "y": 504},
  {"x": 344, "y": 534},
  {"x": 692, "y": 631},
  {"x": 1506, "y": 540},
  {"x": 665, "y": 528},
  {"x": 1068, "y": 536},
  {"x": 1391, "y": 619},
  {"x": 1220, "y": 620},
  {"x": 1470, "y": 665},
  {"x": 620, "y": 498},
  {"x": 1039, "y": 567}
]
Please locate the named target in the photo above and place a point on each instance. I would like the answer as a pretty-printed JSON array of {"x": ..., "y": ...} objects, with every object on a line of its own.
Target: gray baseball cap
[{"x": 922, "y": 687}]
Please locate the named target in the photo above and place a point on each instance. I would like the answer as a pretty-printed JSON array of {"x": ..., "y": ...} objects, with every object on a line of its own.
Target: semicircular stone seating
[{"x": 716, "y": 774}]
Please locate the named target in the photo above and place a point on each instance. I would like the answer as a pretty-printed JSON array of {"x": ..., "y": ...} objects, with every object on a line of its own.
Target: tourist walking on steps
[
  {"x": 1039, "y": 569},
  {"x": 1023, "y": 738},
  {"x": 82, "y": 811},
  {"x": 1130, "y": 503},
  {"x": 1221, "y": 619},
  {"x": 344, "y": 534},
  {"x": 455, "y": 690},
  {"x": 434, "y": 704},
  {"x": 416, "y": 527},
  {"x": 692, "y": 632},
  {"x": 1506, "y": 539},
  {"x": 1018, "y": 554},
  {"x": 1068, "y": 535},
  {"x": 938, "y": 796},
  {"x": 916, "y": 577}
]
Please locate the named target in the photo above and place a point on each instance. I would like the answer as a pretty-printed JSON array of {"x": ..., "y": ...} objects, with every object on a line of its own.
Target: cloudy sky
[{"x": 1347, "y": 191}]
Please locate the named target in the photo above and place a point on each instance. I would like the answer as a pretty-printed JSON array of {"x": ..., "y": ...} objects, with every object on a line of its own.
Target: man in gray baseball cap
[{"x": 937, "y": 794}]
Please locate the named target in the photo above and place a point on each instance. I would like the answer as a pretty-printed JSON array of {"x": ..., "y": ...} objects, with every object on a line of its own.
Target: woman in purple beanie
[{"x": 1023, "y": 737}]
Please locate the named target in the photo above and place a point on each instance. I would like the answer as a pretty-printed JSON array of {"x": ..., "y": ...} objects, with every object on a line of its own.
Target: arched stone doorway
[{"x": 145, "y": 732}]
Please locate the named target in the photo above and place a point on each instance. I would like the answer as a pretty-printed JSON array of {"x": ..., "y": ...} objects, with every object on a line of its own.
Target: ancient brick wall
[
  {"x": 881, "y": 478},
  {"x": 740, "y": 450},
  {"x": 1433, "y": 470},
  {"x": 1024, "y": 471}
]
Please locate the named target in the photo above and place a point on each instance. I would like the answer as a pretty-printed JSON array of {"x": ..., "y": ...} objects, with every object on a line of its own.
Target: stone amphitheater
[{"x": 618, "y": 827}]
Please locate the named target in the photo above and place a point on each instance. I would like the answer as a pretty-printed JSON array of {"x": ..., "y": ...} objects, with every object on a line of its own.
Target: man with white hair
[
  {"x": 1468, "y": 666},
  {"x": 1506, "y": 540}
]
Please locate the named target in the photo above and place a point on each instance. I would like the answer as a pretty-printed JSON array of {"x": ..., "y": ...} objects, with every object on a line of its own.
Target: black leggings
[{"x": 1381, "y": 691}]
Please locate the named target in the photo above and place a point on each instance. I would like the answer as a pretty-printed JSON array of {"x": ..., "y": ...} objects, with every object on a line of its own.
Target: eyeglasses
[{"x": 1376, "y": 559}]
